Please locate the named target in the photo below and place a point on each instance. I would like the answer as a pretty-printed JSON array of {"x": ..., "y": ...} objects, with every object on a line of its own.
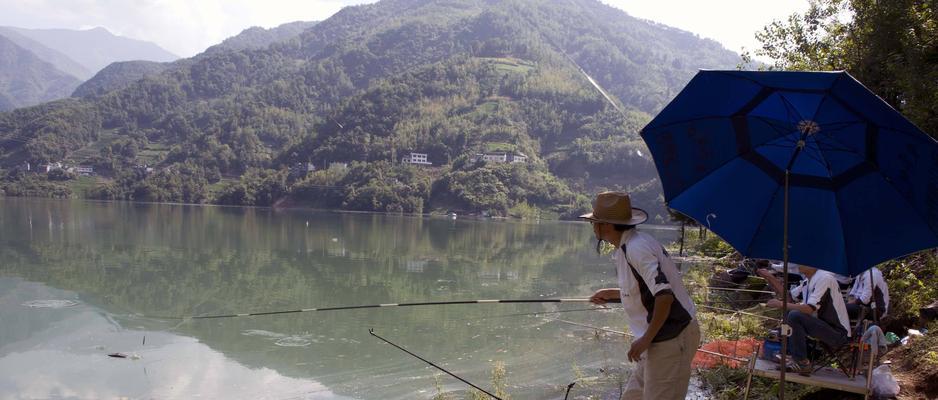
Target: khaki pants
[{"x": 664, "y": 371}]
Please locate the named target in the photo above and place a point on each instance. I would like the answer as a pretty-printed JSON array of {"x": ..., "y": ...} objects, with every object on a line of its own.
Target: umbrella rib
[
  {"x": 790, "y": 108},
  {"x": 765, "y": 215}
]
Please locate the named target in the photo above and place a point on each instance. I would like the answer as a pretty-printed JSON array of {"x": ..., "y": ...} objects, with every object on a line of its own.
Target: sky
[{"x": 187, "y": 27}]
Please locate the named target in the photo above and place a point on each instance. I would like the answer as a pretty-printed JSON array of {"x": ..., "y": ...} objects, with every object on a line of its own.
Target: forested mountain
[
  {"x": 448, "y": 78},
  {"x": 94, "y": 49},
  {"x": 119, "y": 75},
  {"x": 27, "y": 80},
  {"x": 258, "y": 38}
]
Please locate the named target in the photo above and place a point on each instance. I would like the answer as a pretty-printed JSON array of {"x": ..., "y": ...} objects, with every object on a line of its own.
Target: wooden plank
[{"x": 826, "y": 377}]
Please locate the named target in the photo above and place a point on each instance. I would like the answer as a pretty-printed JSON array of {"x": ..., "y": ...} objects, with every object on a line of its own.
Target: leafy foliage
[
  {"x": 373, "y": 83},
  {"x": 890, "y": 46}
]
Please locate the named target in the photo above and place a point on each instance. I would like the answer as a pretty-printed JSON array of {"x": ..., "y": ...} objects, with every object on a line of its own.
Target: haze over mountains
[
  {"x": 373, "y": 83},
  {"x": 49, "y": 64}
]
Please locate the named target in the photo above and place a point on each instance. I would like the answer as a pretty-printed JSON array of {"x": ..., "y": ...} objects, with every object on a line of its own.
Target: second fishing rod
[{"x": 379, "y": 305}]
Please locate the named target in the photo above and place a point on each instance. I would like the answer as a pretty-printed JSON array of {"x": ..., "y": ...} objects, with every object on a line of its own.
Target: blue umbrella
[
  {"x": 809, "y": 167},
  {"x": 863, "y": 187}
]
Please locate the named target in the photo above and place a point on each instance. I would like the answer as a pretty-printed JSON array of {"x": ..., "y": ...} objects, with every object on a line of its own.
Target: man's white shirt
[{"x": 650, "y": 261}]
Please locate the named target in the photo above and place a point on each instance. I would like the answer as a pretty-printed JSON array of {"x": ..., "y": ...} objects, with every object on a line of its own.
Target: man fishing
[
  {"x": 660, "y": 312},
  {"x": 822, "y": 314}
]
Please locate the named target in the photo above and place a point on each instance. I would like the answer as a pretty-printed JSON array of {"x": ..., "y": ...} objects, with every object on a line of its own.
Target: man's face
[{"x": 596, "y": 229}]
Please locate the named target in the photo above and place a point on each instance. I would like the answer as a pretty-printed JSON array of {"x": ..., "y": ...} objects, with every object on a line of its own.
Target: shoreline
[{"x": 473, "y": 217}]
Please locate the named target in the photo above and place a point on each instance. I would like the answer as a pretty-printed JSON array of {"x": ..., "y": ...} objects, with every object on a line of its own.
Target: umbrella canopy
[{"x": 863, "y": 179}]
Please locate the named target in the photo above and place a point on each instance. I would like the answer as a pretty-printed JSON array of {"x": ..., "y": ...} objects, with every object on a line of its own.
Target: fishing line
[
  {"x": 372, "y": 332},
  {"x": 738, "y": 312}
]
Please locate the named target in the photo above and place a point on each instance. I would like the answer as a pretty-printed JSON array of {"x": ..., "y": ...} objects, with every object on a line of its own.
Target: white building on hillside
[
  {"x": 500, "y": 157},
  {"x": 416, "y": 158}
]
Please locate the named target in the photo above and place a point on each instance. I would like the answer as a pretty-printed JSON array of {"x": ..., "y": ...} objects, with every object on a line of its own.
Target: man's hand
[
  {"x": 602, "y": 296},
  {"x": 638, "y": 348},
  {"x": 774, "y": 303}
]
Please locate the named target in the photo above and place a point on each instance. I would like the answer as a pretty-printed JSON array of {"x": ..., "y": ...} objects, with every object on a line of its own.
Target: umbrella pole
[{"x": 785, "y": 330}]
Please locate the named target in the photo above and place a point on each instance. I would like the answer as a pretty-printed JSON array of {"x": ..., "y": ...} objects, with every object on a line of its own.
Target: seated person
[
  {"x": 865, "y": 294},
  {"x": 772, "y": 275},
  {"x": 822, "y": 315}
]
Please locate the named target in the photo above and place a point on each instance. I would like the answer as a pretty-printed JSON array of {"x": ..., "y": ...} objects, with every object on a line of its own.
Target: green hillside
[
  {"x": 26, "y": 80},
  {"x": 368, "y": 86}
]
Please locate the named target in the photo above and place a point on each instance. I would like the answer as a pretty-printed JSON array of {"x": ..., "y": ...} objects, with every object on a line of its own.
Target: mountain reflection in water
[{"x": 120, "y": 261}]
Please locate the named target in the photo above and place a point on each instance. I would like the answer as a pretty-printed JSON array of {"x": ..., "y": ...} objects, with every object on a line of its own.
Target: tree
[{"x": 889, "y": 46}]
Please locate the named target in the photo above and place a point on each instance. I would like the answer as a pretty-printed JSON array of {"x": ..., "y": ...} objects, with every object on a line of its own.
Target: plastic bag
[{"x": 884, "y": 384}]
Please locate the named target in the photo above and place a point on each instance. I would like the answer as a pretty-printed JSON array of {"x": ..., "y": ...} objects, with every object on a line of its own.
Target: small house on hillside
[
  {"x": 302, "y": 168},
  {"x": 51, "y": 166},
  {"x": 84, "y": 170},
  {"x": 416, "y": 158},
  {"x": 500, "y": 157}
]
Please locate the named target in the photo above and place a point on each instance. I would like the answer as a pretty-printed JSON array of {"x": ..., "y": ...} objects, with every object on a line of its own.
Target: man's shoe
[{"x": 803, "y": 367}]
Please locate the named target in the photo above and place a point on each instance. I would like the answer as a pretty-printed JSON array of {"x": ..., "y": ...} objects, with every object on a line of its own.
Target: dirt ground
[{"x": 915, "y": 381}]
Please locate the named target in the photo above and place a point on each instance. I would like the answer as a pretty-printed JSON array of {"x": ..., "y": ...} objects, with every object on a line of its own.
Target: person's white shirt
[
  {"x": 822, "y": 293},
  {"x": 654, "y": 272},
  {"x": 864, "y": 291}
]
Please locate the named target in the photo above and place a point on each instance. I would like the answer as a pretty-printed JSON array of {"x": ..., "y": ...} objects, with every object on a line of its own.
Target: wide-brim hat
[{"x": 615, "y": 208}]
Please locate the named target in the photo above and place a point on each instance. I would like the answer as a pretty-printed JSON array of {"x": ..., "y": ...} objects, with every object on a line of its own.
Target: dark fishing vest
[{"x": 678, "y": 318}]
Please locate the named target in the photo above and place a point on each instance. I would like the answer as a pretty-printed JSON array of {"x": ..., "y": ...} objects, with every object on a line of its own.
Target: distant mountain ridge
[
  {"x": 60, "y": 61},
  {"x": 95, "y": 48},
  {"x": 448, "y": 79},
  {"x": 27, "y": 80}
]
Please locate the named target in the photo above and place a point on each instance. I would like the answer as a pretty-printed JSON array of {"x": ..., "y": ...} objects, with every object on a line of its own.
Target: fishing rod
[
  {"x": 372, "y": 332},
  {"x": 359, "y": 307}
]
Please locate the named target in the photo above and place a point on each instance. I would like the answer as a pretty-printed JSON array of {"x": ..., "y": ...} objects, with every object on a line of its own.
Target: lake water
[{"x": 82, "y": 280}]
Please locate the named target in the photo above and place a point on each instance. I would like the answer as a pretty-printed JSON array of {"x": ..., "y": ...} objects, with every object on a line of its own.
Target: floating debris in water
[
  {"x": 293, "y": 341},
  {"x": 50, "y": 303},
  {"x": 262, "y": 333},
  {"x": 122, "y": 355}
]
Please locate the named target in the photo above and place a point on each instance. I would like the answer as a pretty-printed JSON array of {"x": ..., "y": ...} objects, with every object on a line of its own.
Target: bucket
[{"x": 770, "y": 349}]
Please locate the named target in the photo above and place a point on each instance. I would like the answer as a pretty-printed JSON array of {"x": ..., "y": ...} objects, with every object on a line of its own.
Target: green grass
[
  {"x": 499, "y": 147},
  {"x": 215, "y": 188},
  {"x": 153, "y": 153},
  {"x": 510, "y": 65},
  {"x": 105, "y": 139},
  {"x": 83, "y": 185}
]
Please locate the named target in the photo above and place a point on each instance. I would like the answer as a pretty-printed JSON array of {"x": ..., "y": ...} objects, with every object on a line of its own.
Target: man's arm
[
  {"x": 804, "y": 308},
  {"x": 608, "y": 295}
]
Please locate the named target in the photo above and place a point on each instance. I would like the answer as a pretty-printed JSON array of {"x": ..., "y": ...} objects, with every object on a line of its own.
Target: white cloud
[
  {"x": 730, "y": 22},
  {"x": 183, "y": 27}
]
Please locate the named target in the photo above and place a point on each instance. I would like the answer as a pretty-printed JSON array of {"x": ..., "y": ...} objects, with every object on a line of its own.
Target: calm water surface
[{"x": 81, "y": 280}]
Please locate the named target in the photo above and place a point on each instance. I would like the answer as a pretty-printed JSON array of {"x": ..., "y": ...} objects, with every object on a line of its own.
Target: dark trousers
[
  {"x": 853, "y": 310},
  {"x": 804, "y": 325}
]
